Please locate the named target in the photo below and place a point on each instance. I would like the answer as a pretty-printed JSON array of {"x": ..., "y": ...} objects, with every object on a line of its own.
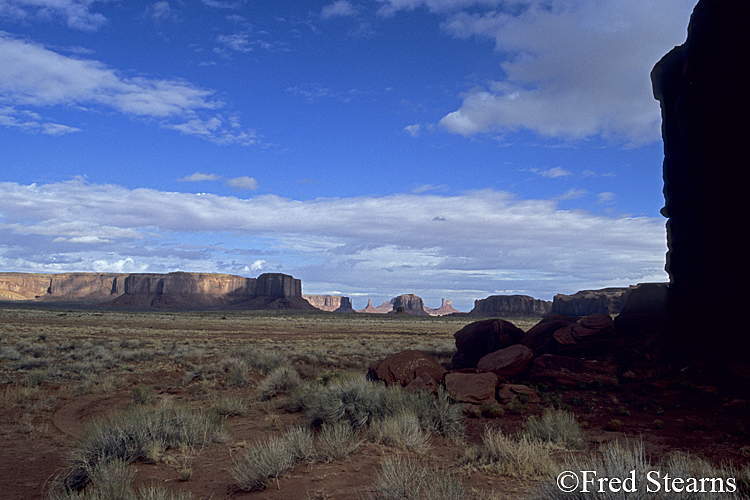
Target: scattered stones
[
  {"x": 506, "y": 392},
  {"x": 563, "y": 370},
  {"x": 474, "y": 388},
  {"x": 481, "y": 338},
  {"x": 506, "y": 363},
  {"x": 403, "y": 367}
]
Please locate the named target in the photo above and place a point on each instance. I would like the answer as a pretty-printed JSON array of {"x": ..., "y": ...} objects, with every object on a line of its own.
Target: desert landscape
[{"x": 240, "y": 400}]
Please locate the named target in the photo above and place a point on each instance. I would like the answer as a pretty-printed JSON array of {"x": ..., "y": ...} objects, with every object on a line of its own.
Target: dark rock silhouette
[
  {"x": 703, "y": 88},
  {"x": 585, "y": 302},
  {"x": 511, "y": 305},
  {"x": 481, "y": 338}
]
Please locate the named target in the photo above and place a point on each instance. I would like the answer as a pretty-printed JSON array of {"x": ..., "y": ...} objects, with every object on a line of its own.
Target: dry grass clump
[
  {"x": 230, "y": 406},
  {"x": 618, "y": 460},
  {"x": 336, "y": 440},
  {"x": 112, "y": 480},
  {"x": 282, "y": 379},
  {"x": 360, "y": 402},
  {"x": 400, "y": 431},
  {"x": 506, "y": 456},
  {"x": 555, "y": 426},
  {"x": 138, "y": 434},
  {"x": 404, "y": 479}
]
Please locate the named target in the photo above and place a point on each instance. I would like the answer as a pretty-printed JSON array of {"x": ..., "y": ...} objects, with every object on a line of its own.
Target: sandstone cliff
[
  {"x": 586, "y": 302},
  {"x": 410, "y": 304},
  {"x": 330, "y": 303},
  {"x": 445, "y": 308},
  {"x": 177, "y": 290},
  {"x": 511, "y": 305}
]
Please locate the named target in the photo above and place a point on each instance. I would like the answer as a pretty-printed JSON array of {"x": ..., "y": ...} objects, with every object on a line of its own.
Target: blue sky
[{"x": 449, "y": 148}]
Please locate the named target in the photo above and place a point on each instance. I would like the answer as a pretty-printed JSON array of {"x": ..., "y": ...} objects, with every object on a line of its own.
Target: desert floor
[{"x": 61, "y": 369}]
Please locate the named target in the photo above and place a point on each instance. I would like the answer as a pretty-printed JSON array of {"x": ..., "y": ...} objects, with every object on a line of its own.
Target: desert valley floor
[{"x": 62, "y": 369}]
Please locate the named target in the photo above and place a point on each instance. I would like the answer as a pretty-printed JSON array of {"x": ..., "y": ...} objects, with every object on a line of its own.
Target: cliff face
[
  {"x": 330, "y": 303},
  {"x": 511, "y": 305},
  {"x": 586, "y": 302},
  {"x": 410, "y": 303},
  {"x": 177, "y": 290}
]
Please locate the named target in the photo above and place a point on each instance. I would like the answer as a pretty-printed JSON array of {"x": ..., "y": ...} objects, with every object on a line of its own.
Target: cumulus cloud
[
  {"x": 566, "y": 69},
  {"x": 339, "y": 8},
  {"x": 34, "y": 76},
  {"x": 77, "y": 14},
  {"x": 200, "y": 177},
  {"x": 472, "y": 243}
]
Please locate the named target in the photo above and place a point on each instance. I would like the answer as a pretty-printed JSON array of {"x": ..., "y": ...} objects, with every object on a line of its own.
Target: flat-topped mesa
[
  {"x": 178, "y": 290},
  {"x": 511, "y": 305},
  {"x": 409, "y": 304},
  {"x": 330, "y": 303},
  {"x": 586, "y": 302}
]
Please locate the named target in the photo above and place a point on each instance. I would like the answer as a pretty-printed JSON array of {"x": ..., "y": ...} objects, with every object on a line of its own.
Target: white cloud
[
  {"x": 472, "y": 243},
  {"x": 77, "y": 14},
  {"x": 31, "y": 122},
  {"x": 555, "y": 172},
  {"x": 339, "y": 8},
  {"x": 606, "y": 198},
  {"x": 34, "y": 76},
  {"x": 160, "y": 11},
  {"x": 199, "y": 177},
  {"x": 566, "y": 69},
  {"x": 413, "y": 130},
  {"x": 243, "y": 182}
]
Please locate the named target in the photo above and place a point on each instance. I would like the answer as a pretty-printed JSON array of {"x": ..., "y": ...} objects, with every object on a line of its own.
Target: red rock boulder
[
  {"x": 506, "y": 392},
  {"x": 405, "y": 366},
  {"x": 563, "y": 370},
  {"x": 506, "y": 363},
  {"x": 481, "y": 338},
  {"x": 474, "y": 388}
]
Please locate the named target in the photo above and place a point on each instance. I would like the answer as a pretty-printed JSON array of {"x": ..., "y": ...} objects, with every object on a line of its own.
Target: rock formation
[
  {"x": 177, "y": 290},
  {"x": 370, "y": 309},
  {"x": 585, "y": 302},
  {"x": 410, "y": 304},
  {"x": 702, "y": 87},
  {"x": 330, "y": 303},
  {"x": 445, "y": 309},
  {"x": 511, "y": 305}
]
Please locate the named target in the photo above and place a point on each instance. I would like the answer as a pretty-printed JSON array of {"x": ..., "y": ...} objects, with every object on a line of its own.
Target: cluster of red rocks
[{"x": 559, "y": 350}]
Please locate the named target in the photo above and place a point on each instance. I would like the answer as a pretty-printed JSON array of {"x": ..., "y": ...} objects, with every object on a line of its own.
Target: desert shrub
[
  {"x": 555, "y": 426},
  {"x": 142, "y": 394},
  {"x": 519, "y": 457},
  {"x": 616, "y": 459},
  {"x": 301, "y": 444},
  {"x": 135, "y": 434},
  {"x": 265, "y": 460},
  {"x": 359, "y": 402},
  {"x": 613, "y": 425},
  {"x": 35, "y": 378},
  {"x": 404, "y": 479},
  {"x": 259, "y": 359},
  {"x": 230, "y": 406},
  {"x": 337, "y": 440},
  {"x": 236, "y": 372},
  {"x": 112, "y": 480},
  {"x": 401, "y": 430},
  {"x": 9, "y": 353},
  {"x": 283, "y": 378}
]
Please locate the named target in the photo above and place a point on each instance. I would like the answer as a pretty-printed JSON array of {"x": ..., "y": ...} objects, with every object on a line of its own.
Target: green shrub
[
  {"x": 260, "y": 360},
  {"x": 555, "y": 426},
  {"x": 613, "y": 425},
  {"x": 282, "y": 379},
  {"x": 236, "y": 373},
  {"x": 35, "y": 378}
]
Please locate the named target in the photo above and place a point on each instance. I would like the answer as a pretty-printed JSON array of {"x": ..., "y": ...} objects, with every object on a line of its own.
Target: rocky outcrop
[
  {"x": 702, "y": 87},
  {"x": 506, "y": 363},
  {"x": 177, "y": 290},
  {"x": 330, "y": 303},
  {"x": 585, "y": 302},
  {"x": 410, "y": 304},
  {"x": 403, "y": 367},
  {"x": 567, "y": 371},
  {"x": 370, "y": 309},
  {"x": 473, "y": 388},
  {"x": 483, "y": 337},
  {"x": 511, "y": 305},
  {"x": 445, "y": 309}
]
